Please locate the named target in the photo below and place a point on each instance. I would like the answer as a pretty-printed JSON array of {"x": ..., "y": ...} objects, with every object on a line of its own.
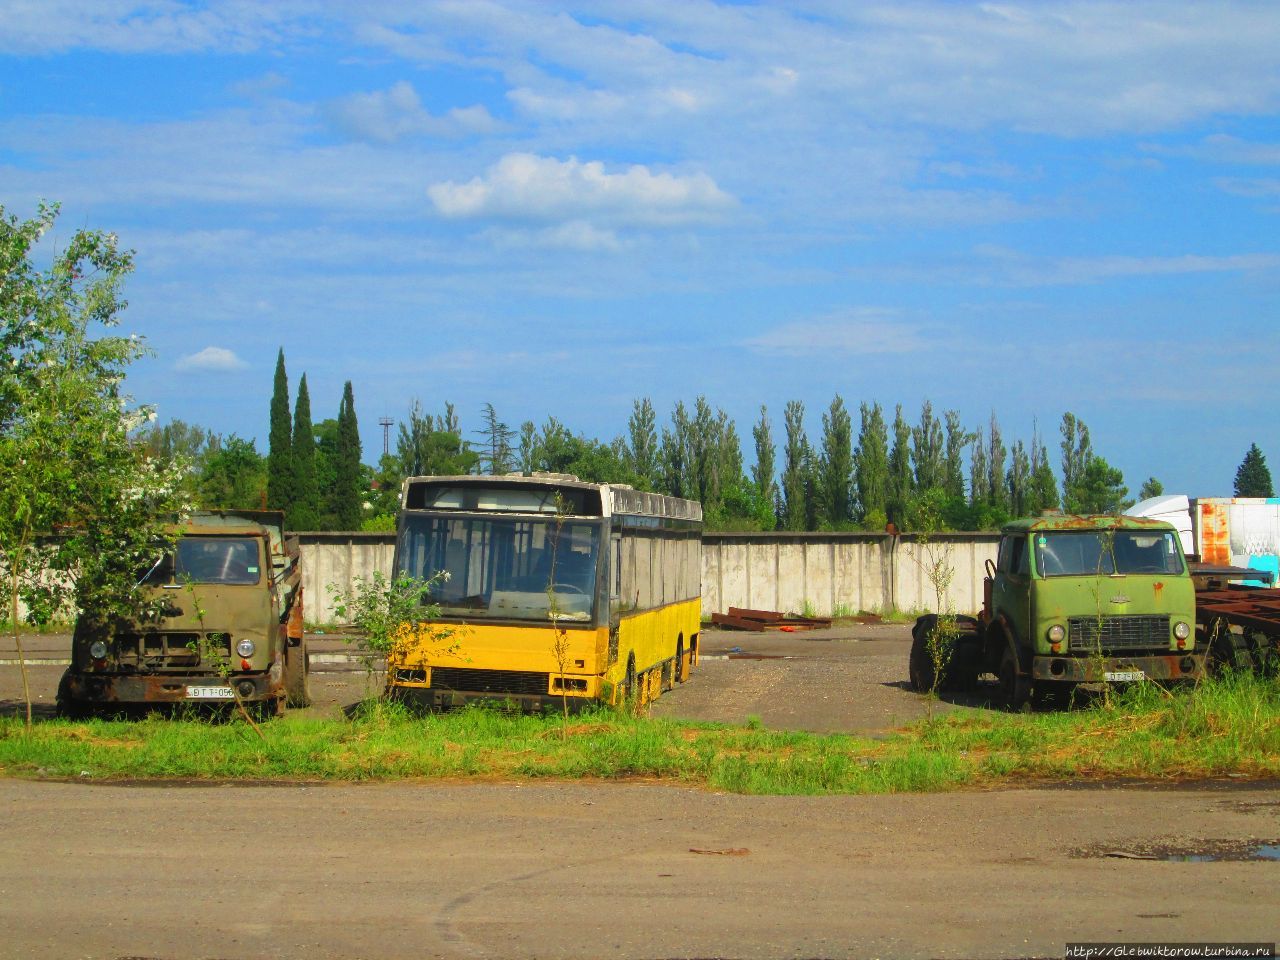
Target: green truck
[
  {"x": 1069, "y": 600},
  {"x": 224, "y": 624}
]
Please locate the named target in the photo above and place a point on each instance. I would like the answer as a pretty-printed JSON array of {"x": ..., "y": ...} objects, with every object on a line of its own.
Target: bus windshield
[
  {"x": 1107, "y": 552},
  {"x": 503, "y": 568}
]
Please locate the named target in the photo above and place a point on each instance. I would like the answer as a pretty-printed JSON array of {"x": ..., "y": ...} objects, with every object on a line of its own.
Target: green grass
[{"x": 1225, "y": 727}]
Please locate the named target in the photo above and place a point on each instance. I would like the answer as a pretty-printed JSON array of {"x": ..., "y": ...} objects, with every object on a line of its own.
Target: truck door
[{"x": 1011, "y": 592}]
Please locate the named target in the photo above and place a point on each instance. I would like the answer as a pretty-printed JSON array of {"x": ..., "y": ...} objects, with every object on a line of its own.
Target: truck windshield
[
  {"x": 1106, "y": 552},
  {"x": 230, "y": 560},
  {"x": 502, "y": 568}
]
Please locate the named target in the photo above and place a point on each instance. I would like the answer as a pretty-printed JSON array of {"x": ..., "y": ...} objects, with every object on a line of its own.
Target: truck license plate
[
  {"x": 1122, "y": 676},
  {"x": 210, "y": 693}
]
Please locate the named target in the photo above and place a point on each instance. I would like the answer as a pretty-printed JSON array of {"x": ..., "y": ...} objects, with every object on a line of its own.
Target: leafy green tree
[
  {"x": 871, "y": 468},
  {"x": 557, "y": 450},
  {"x": 835, "y": 467},
  {"x": 979, "y": 471},
  {"x": 1077, "y": 451},
  {"x": 1042, "y": 493},
  {"x": 280, "y": 472},
  {"x": 953, "y": 461},
  {"x": 1151, "y": 487},
  {"x": 927, "y": 450},
  {"x": 66, "y": 456},
  {"x": 796, "y": 470},
  {"x": 900, "y": 479},
  {"x": 528, "y": 440},
  {"x": 425, "y": 446},
  {"x": 304, "y": 513},
  {"x": 496, "y": 455},
  {"x": 325, "y": 435},
  {"x": 234, "y": 476},
  {"x": 1018, "y": 480},
  {"x": 1253, "y": 479},
  {"x": 762, "y": 472},
  {"x": 643, "y": 446},
  {"x": 997, "y": 493},
  {"x": 348, "y": 485},
  {"x": 1100, "y": 489},
  {"x": 677, "y": 480}
]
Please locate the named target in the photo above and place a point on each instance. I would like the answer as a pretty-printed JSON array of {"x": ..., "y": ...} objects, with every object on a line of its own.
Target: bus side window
[{"x": 615, "y": 566}]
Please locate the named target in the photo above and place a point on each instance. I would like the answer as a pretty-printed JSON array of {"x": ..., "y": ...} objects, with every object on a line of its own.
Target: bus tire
[{"x": 681, "y": 673}]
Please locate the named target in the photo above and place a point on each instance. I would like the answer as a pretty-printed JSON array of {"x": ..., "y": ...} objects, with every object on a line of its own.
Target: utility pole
[{"x": 385, "y": 423}]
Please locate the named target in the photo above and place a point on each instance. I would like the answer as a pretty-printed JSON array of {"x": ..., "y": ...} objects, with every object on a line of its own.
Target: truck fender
[{"x": 1001, "y": 637}]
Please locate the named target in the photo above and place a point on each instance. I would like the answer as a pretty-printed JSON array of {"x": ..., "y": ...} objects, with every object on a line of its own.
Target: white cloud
[
  {"x": 211, "y": 358},
  {"x": 576, "y": 235},
  {"x": 857, "y": 332},
  {"x": 526, "y": 186},
  {"x": 385, "y": 116}
]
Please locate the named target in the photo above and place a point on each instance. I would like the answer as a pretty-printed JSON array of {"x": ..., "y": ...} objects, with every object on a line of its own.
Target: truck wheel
[
  {"x": 297, "y": 682},
  {"x": 1015, "y": 687}
]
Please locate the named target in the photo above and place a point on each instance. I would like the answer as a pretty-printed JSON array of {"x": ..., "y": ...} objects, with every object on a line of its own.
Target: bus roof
[{"x": 616, "y": 499}]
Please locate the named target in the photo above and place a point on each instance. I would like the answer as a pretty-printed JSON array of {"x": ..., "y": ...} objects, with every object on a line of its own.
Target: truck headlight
[
  {"x": 1181, "y": 630},
  {"x": 1056, "y": 633},
  {"x": 98, "y": 650},
  {"x": 245, "y": 648}
]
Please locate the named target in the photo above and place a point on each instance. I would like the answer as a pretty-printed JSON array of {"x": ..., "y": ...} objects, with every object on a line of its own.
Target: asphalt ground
[{"x": 849, "y": 679}]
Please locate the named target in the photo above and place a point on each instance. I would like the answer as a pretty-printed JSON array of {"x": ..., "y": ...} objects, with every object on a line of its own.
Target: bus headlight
[
  {"x": 245, "y": 648},
  {"x": 1181, "y": 630},
  {"x": 1056, "y": 633},
  {"x": 98, "y": 650}
]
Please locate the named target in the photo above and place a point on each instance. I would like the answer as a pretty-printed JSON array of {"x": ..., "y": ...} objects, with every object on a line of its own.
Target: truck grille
[
  {"x": 489, "y": 681},
  {"x": 1088, "y": 634},
  {"x": 173, "y": 647}
]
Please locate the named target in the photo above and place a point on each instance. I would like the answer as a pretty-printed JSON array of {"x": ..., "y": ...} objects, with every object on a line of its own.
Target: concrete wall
[{"x": 763, "y": 571}]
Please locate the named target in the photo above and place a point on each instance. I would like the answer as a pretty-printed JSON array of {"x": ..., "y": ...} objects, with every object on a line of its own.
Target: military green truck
[
  {"x": 224, "y": 610},
  {"x": 1069, "y": 600}
]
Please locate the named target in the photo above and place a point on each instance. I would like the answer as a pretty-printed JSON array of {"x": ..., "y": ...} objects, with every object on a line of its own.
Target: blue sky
[{"x": 559, "y": 208}]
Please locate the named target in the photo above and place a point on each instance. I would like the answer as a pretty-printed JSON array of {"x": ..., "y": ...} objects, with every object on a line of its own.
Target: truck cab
[
  {"x": 1070, "y": 600},
  {"x": 220, "y": 620}
]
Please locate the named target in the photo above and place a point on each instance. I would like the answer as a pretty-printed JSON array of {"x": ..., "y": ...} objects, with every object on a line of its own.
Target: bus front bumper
[{"x": 436, "y": 698}]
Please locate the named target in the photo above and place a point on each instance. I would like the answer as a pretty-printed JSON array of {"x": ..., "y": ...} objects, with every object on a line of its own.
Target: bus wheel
[{"x": 681, "y": 673}]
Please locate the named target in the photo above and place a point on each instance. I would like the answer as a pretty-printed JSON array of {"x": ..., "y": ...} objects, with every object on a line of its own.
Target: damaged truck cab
[
  {"x": 1069, "y": 600},
  {"x": 223, "y": 611}
]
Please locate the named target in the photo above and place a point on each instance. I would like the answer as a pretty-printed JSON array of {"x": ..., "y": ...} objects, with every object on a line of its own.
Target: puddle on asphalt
[{"x": 1196, "y": 851}]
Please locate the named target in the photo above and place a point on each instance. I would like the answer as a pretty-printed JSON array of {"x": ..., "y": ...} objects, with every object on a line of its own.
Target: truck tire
[
  {"x": 297, "y": 682},
  {"x": 1015, "y": 687},
  {"x": 920, "y": 666}
]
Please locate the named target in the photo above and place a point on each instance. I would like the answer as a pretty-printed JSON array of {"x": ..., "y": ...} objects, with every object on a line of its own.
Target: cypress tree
[
  {"x": 280, "y": 473},
  {"x": 304, "y": 513},
  {"x": 1253, "y": 479},
  {"x": 347, "y": 505}
]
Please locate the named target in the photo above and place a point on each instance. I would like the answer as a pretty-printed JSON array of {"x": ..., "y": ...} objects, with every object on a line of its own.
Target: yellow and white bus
[{"x": 609, "y": 575}]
